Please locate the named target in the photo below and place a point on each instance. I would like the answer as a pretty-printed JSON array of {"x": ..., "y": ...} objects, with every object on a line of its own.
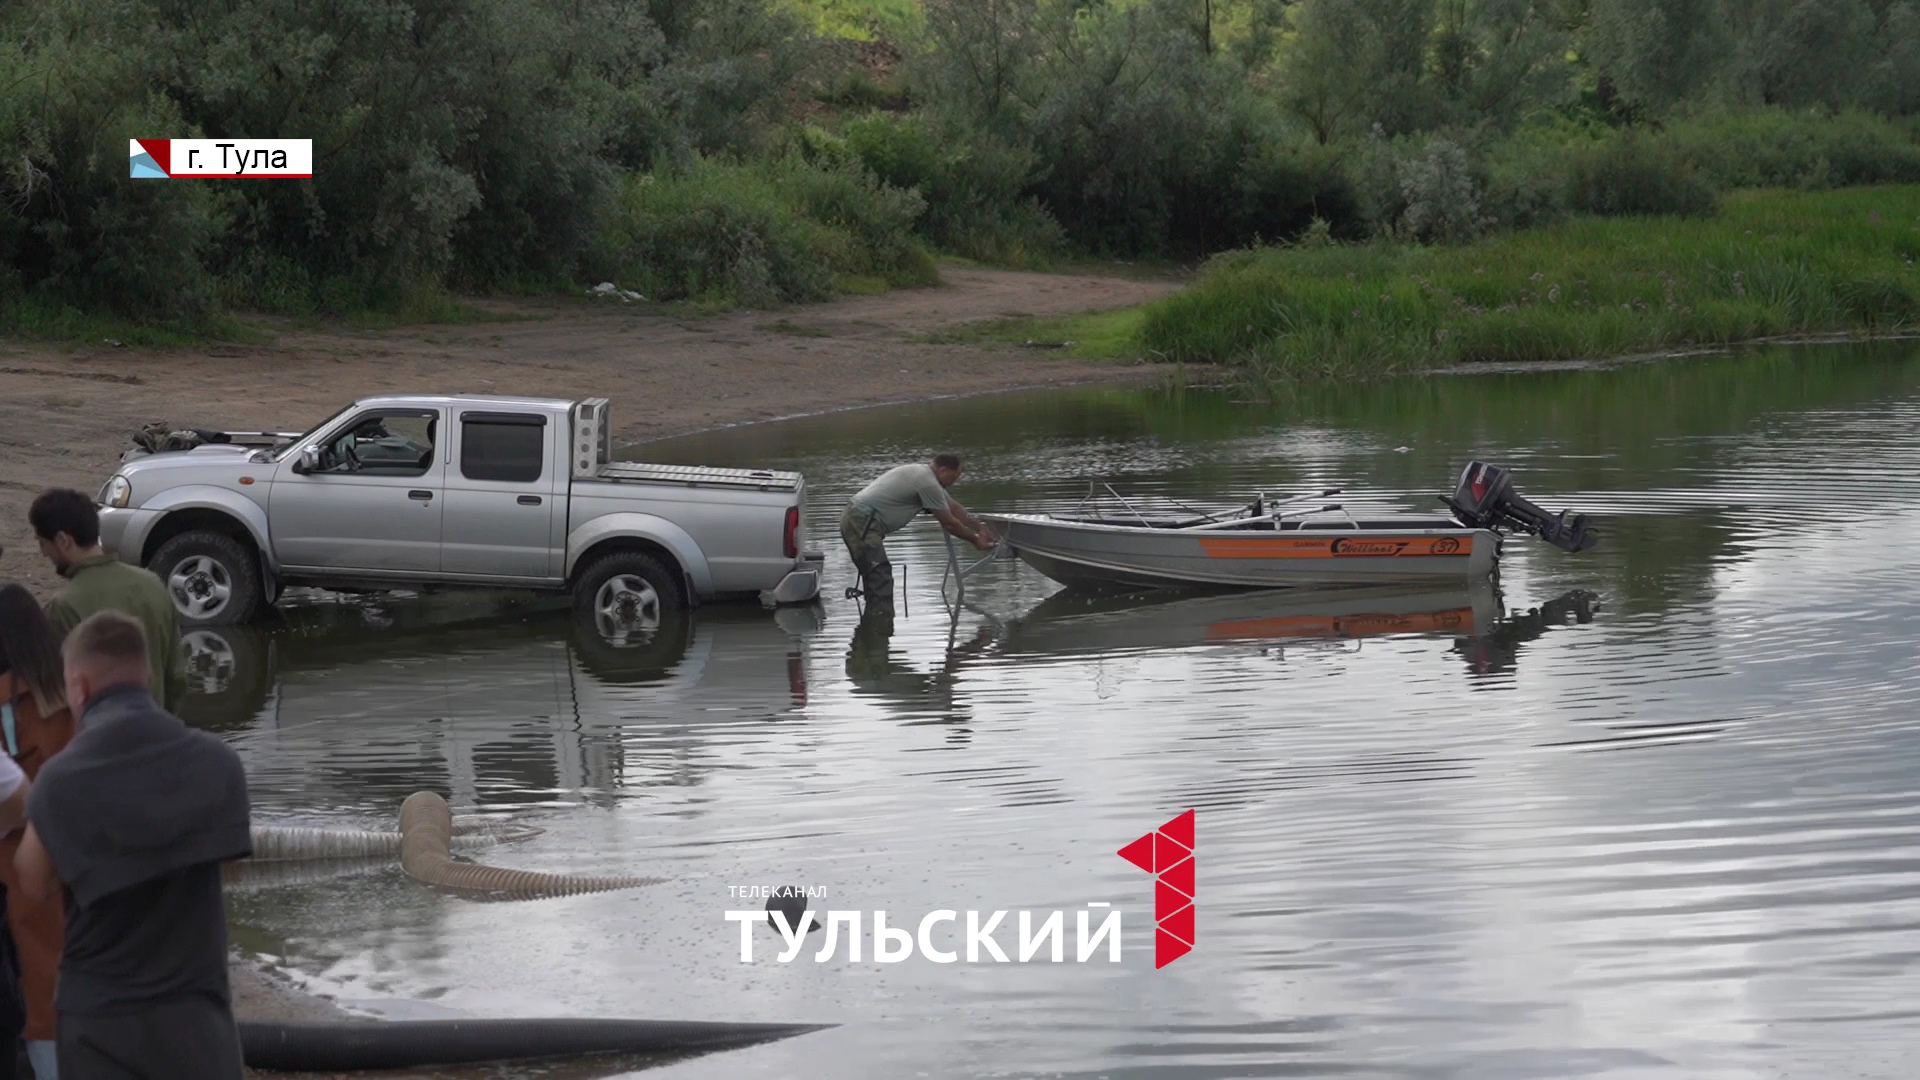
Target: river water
[{"x": 1648, "y": 811}]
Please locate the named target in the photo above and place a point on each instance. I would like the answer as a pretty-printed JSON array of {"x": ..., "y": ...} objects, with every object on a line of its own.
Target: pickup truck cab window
[
  {"x": 382, "y": 443},
  {"x": 506, "y": 492},
  {"x": 373, "y": 504},
  {"x": 292, "y": 449},
  {"x": 502, "y": 446}
]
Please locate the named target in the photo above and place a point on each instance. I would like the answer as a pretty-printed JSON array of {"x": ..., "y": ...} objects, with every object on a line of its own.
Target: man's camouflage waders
[{"x": 860, "y": 528}]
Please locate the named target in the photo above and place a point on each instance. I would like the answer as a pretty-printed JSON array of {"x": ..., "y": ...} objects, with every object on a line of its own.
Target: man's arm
[
  {"x": 954, "y": 508},
  {"x": 976, "y": 534},
  {"x": 34, "y": 868},
  {"x": 982, "y": 528}
]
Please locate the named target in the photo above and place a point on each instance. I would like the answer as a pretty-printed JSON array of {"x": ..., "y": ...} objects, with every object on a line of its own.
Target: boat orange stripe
[{"x": 1292, "y": 547}]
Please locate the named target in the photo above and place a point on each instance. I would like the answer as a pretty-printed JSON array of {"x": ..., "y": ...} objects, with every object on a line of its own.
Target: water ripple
[{"x": 1422, "y": 853}]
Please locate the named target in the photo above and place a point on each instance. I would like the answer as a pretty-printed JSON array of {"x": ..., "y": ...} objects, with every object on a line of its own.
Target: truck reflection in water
[{"x": 355, "y": 706}]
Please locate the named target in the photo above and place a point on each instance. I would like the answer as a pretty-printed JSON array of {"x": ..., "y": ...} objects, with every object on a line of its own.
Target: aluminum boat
[{"x": 1291, "y": 543}]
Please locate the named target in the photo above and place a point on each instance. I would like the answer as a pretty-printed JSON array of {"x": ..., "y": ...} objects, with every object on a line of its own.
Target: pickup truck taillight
[{"x": 790, "y": 538}]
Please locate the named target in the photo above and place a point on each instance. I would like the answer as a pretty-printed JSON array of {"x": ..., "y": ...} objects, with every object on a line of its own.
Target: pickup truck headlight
[{"x": 117, "y": 493}]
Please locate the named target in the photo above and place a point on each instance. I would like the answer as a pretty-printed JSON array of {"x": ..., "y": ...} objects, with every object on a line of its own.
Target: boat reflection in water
[
  {"x": 1075, "y": 624},
  {"x": 356, "y": 706},
  {"x": 1070, "y": 623}
]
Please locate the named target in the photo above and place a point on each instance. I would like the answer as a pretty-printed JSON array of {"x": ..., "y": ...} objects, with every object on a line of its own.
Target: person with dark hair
[
  {"x": 35, "y": 724},
  {"x": 131, "y": 824},
  {"x": 890, "y": 503},
  {"x": 67, "y": 525}
]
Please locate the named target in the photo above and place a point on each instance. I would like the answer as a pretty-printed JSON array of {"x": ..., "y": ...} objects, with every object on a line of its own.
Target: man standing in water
[{"x": 889, "y": 504}]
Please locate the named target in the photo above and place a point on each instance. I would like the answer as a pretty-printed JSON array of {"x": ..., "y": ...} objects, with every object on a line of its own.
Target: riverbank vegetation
[
  {"x": 1767, "y": 263},
  {"x": 779, "y": 151}
]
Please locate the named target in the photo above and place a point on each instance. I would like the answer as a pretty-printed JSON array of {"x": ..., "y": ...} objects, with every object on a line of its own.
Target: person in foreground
[
  {"x": 890, "y": 503},
  {"x": 134, "y": 819},
  {"x": 35, "y": 724},
  {"x": 14, "y": 786},
  {"x": 67, "y": 525}
]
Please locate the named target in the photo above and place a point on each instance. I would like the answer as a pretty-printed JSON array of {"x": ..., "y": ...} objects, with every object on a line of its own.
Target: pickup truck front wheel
[
  {"x": 627, "y": 592},
  {"x": 212, "y": 579}
]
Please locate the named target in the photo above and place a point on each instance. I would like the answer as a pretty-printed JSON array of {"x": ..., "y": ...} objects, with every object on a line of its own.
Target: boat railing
[
  {"x": 1093, "y": 490},
  {"x": 1280, "y": 511}
]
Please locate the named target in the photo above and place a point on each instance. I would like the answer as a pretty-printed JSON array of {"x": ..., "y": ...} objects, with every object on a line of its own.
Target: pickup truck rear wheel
[
  {"x": 627, "y": 592},
  {"x": 212, "y": 578}
]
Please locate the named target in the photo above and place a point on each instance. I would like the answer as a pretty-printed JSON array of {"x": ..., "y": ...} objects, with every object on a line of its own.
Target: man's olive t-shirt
[{"x": 896, "y": 495}]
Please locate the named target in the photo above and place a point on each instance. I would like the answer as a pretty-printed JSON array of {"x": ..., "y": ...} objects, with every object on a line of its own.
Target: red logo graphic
[{"x": 1167, "y": 854}]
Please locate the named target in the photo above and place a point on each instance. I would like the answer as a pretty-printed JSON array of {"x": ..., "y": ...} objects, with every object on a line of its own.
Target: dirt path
[{"x": 66, "y": 413}]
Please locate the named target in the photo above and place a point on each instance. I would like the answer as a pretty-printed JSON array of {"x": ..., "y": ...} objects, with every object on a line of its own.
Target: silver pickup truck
[{"x": 434, "y": 491}]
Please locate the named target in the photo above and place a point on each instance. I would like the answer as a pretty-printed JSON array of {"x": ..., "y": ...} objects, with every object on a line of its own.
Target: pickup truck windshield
[{"x": 296, "y": 444}]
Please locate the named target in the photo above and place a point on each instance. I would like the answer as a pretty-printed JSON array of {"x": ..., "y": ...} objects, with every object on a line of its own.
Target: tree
[{"x": 1656, "y": 52}]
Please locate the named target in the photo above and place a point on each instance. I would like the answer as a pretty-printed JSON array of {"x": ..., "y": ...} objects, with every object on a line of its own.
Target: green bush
[
  {"x": 1635, "y": 175},
  {"x": 1293, "y": 190},
  {"x": 975, "y": 187},
  {"x": 73, "y": 228},
  {"x": 475, "y": 143},
  {"x": 759, "y": 235},
  {"x": 874, "y": 218},
  {"x": 1780, "y": 148}
]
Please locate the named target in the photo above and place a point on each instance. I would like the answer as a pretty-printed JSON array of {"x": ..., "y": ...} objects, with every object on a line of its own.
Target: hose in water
[
  {"x": 321, "y": 1047},
  {"x": 272, "y": 843},
  {"x": 426, "y": 836},
  {"x": 245, "y": 874}
]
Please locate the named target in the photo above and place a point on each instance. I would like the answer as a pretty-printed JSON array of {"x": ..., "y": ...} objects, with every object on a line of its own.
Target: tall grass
[{"x": 1769, "y": 263}]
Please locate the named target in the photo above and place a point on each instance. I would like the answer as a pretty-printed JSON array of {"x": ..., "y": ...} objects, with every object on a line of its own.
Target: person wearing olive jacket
[{"x": 67, "y": 525}]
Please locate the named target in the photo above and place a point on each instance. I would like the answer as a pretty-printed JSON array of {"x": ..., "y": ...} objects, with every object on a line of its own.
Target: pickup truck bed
[{"x": 629, "y": 472}]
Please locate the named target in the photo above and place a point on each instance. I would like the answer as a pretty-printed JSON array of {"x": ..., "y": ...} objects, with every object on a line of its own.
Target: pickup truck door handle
[
  {"x": 423, "y": 496},
  {"x": 529, "y": 500}
]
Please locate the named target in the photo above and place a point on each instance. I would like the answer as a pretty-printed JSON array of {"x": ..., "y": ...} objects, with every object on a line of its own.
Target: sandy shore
[{"x": 66, "y": 413}]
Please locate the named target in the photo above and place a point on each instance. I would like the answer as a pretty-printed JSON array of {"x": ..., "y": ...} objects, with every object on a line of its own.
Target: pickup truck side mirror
[{"x": 308, "y": 461}]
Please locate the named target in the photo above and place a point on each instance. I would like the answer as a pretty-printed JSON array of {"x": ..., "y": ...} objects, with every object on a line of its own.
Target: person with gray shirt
[
  {"x": 131, "y": 823},
  {"x": 890, "y": 503}
]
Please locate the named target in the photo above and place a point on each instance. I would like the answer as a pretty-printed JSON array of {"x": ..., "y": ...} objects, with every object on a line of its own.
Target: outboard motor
[{"x": 1484, "y": 499}]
